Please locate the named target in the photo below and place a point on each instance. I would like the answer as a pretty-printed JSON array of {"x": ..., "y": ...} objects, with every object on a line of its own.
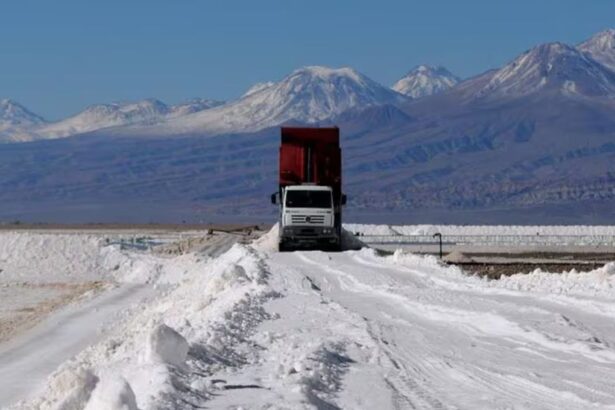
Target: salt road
[
  {"x": 409, "y": 333},
  {"x": 254, "y": 328},
  {"x": 27, "y": 360}
]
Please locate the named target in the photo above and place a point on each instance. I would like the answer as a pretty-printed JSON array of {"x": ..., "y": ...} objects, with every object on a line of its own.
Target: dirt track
[{"x": 496, "y": 271}]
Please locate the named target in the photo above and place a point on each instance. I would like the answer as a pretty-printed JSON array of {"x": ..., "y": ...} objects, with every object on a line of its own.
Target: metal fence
[
  {"x": 492, "y": 240},
  {"x": 148, "y": 242}
]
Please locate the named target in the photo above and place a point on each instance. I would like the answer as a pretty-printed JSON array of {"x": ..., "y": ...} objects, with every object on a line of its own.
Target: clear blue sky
[{"x": 59, "y": 56}]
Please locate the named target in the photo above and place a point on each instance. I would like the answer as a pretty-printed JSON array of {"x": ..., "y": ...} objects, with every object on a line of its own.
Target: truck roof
[
  {"x": 311, "y": 135},
  {"x": 308, "y": 187}
]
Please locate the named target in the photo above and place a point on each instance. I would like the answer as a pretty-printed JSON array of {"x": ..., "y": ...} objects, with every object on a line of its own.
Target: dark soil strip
[{"x": 496, "y": 271}]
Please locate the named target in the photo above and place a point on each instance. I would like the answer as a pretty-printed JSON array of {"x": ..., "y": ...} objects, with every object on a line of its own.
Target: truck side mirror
[
  {"x": 273, "y": 199},
  {"x": 344, "y": 198}
]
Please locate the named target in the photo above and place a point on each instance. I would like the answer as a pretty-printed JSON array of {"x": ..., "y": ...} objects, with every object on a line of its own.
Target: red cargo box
[{"x": 311, "y": 155}]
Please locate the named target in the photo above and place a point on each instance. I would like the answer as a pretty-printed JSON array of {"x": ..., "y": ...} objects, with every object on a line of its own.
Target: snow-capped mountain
[
  {"x": 601, "y": 48},
  {"x": 14, "y": 114},
  {"x": 16, "y": 120},
  {"x": 18, "y": 124},
  {"x": 425, "y": 80},
  {"x": 193, "y": 105},
  {"x": 530, "y": 141},
  {"x": 307, "y": 95},
  {"x": 551, "y": 67},
  {"x": 102, "y": 116}
]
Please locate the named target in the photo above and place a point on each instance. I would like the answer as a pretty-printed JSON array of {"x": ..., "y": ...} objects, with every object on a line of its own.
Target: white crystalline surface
[
  {"x": 112, "y": 394},
  {"x": 66, "y": 258},
  {"x": 369, "y": 229},
  {"x": 254, "y": 328},
  {"x": 480, "y": 238}
]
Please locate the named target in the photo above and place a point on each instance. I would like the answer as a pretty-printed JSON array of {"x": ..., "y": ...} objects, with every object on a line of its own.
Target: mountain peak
[
  {"x": 14, "y": 114},
  {"x": 424, "y": 80},
  {"x": 603, "y": 39},
  {"x": 551, "y": 66},
  {"x": 307, "y": 95},
  {"x": 313, "y": 93},
  {"x": 326, "y": 72},
  {"x": 329, "y": 74},
  {"x": 16, "y": 120},
  {"x": 601, "y": 47},
  {"x": 7, "y": 103},
  {"x": 432, "y": 69}
]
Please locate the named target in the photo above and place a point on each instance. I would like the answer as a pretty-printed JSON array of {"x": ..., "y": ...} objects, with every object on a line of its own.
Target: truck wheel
[{"x": 282, "y": 247}]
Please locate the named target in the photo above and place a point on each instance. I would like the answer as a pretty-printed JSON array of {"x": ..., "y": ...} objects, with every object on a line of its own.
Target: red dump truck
[{"x": 310, "y": 189}]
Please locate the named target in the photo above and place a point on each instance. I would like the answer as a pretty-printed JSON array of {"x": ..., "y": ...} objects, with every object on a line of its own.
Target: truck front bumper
[{"x": 309, "y": 235}]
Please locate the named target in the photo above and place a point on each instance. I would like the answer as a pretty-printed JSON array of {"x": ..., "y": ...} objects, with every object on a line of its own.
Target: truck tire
[{"x": 282, "y": 247}]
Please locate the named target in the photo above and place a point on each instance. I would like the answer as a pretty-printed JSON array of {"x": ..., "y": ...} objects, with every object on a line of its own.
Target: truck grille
[{"x": 308, "y": 219}]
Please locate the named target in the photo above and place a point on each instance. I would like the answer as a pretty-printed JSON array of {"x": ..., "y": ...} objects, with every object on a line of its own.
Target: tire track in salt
[{"x": 478, "y": 377}]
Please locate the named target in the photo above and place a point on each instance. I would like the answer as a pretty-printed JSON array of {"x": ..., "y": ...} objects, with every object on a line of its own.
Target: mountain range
[
  {"x": 17, "y": 124},
  {"x": 530, "y": 142},
  {"x": 308, "y": 95}
]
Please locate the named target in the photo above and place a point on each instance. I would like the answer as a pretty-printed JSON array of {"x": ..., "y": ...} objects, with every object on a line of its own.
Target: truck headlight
[{"x": 326, "y": 231}]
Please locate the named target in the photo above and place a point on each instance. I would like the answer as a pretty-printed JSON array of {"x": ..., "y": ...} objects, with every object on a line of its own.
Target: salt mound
[
  {"x": 231, "y": 275},
  {"x": 596, "y": 283},
  {"x": 112, "y": 394},
  {"x": 165, "y": 345},
  {"x": 269, "y": 241},
  {"x": 78, "y": 384},
  {"x": 44, "y": 257},
  {"x": 457, "y": 257}
]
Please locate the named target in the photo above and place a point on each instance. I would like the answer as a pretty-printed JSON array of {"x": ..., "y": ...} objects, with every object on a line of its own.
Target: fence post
[{"x": 439, "y": 235}]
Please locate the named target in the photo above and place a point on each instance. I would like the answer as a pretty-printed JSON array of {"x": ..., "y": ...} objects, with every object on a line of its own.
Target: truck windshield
[{"x": 308, "y": 199}]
